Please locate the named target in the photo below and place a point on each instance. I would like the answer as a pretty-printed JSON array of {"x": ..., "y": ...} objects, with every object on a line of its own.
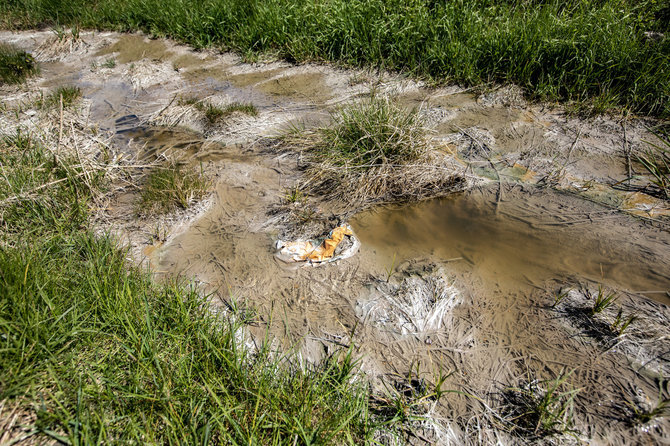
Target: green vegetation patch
[
  {"x": 656, "y": 161},
  {"x": 215, "y": 113},
  {"x": 603, "y": 54},
  {"x": 371, "y": 133},
  {"x": 15, "y": 65},
  {"x": 171, "y": 186},
  {"x": 69, "y": 94}
]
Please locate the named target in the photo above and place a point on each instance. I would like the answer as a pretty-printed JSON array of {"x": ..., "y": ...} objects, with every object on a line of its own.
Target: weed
[
  {"x": 109, "y": 63},
  {"x": 656, "y": 160},
  {"x": 559, "y": 297},
  {"x": 542, "y": 408},
  {"x": 602, "y": 300},
  {"x": 391, "y": 269},
  {"x": 59, "y": 32},
  {"x": 74, "y": 31},
  {"x": 214, "y": 113},
  {"x": 69, "y": 95},
  {"x": 188, "y": 100},
  {"x": 294, "y": 195},
  {"x": 660, "y": 409},
  {"x": 374, "y": 150},
  {"x": 170, "y": 187},
  {"x": 620, "y": 324},
  {"x": 246, "y": 108},
  {"x": 15, "y": 65}
]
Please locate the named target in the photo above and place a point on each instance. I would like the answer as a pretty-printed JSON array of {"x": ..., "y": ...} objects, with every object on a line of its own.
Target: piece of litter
[{"x": 315, "y": 251}]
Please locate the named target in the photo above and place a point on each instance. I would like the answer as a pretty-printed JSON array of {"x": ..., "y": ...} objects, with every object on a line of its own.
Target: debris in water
[{"x": 340, "y": 244}]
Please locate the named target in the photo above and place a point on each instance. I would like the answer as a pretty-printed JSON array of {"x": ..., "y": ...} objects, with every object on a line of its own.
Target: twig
[
  {"x": 626, "y": 148},
  {"x": 60, "y": 127}
]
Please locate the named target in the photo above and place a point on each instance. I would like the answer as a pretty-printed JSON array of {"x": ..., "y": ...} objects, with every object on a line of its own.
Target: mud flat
[{"x": 490, "y": 290}]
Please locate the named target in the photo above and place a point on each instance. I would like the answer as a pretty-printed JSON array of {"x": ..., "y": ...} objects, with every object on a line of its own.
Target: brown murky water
[{"x": 520, "y": 243}]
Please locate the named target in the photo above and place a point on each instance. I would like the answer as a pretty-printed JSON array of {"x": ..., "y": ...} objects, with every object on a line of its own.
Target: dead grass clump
[
  {"x": 375, "y": 151},
  {"x": 62, "y": 43},
  {"x": 171, "y": 186}
]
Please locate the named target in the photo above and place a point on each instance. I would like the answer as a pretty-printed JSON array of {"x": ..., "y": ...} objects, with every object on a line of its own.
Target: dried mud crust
[{"x": 407, "y": 319}]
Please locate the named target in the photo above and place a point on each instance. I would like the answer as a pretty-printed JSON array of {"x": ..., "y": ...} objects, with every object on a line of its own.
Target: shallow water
[{"x": 520, "y": 244}]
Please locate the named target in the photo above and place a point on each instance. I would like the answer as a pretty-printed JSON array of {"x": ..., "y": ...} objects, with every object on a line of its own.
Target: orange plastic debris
[{"x": 327, "y": 248}]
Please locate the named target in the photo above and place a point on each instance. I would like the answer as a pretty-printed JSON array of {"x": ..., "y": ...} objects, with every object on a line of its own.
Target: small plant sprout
[
  {"x": 294, "y": 195},
  {"x": 67, "y": 94},
  {"x": 558, "y": 298},
  {"x": 59, "y": 32},
  {"x": 656, "y": 160},
  {"x": 214, "y": 113},
  {"x": 658, "y": 410},
  {"x": 109, "y": 63},
  {"x": 602, "y": 300},
  {"x": 391, "y": 269},
  {"x": 620, "y": 323},
  {"x": 544, "y": 407}
]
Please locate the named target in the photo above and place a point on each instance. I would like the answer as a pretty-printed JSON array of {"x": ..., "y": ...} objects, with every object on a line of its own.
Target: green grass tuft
[
  {"x": 214, "y": 113},
  {"x": 15, "y": 65},
  {"x": 372, "y": 133},
  {"x": 70, "y": 95},
  {"x": 656, "y": 160},
  {"x": 172, "y": 186},
  {"x": 602, "y": 300},
  {"x": 541, "y": 409}
]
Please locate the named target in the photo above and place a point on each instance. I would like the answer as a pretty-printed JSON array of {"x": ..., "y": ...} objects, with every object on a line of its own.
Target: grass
[
  {"x": 214, "y": 113},
  {"x": 542, "y": 408},
  {"x": 374, "y": 150},
  {"x": 91, "y": 350},
  {"x": 597, "y": 53},
  {"x": 656, "y": 160},
  {"x": 109, "y": 63},
  {"x": 645, "y": 415},
  {"x": 621, "y": 324},
  {"x": 660, "y": 409},
  {"x": 371, "y": 133},
  {"x": 70, "y": 95},
  {"x": 172, "y": 186},
  {"x": 15, "y": 65},
  {"x": 602, "y": 300},
  {"x": 294, "y": 195}
]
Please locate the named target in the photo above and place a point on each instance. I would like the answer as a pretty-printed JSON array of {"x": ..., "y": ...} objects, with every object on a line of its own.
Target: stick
[
  {"x": 60, "y": 127},
  {"x": 626, "y": 148}
]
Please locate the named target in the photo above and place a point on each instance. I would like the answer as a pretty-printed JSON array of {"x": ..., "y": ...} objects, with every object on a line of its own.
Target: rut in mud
[{"x": 463, "y": 287}]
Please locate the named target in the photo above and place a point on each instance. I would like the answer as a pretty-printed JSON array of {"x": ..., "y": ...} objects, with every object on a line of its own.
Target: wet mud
[{"x": 464, "y": 286}]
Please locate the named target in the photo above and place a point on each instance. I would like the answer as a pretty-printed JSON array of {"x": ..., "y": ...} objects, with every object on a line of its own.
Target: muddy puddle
[{"x": 522, "y": 242}]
